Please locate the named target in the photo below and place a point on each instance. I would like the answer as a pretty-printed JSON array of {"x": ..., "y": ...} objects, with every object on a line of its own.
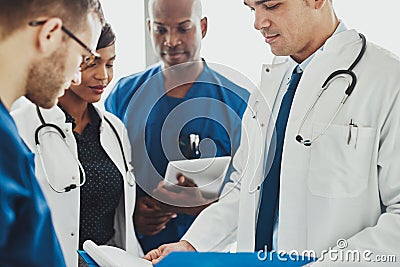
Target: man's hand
[
  {"x": 157, "y": 254},
  {"x": 184, "y": 197},
  {"x": 149, "y": 218}
]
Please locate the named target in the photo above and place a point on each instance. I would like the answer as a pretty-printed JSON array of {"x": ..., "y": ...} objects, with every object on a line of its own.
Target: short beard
[{"x": 46, "y": 80}]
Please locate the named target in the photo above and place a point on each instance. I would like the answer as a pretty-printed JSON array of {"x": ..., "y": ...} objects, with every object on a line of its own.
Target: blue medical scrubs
[
  {"x": 159, "y": 127},
  {"x": 27, "y": 236}
]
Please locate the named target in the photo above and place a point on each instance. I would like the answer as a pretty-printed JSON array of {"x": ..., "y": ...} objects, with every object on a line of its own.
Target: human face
[
  {"x": 95, "y": 77},
  {"x": 49, "y": 77},
  {"x": 45, "y": 79},
  {"x": 176, "y": 31},
  {"x": 288, "y": 26}
]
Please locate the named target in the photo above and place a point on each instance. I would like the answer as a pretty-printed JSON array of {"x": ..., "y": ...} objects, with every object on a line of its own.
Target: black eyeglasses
[{"x": 86, "y": 61}]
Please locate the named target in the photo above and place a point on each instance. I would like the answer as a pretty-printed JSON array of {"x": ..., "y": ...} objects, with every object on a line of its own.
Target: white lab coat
[
  {"x": 62, "y": 170},
  {"x": 332, "y": 189}
]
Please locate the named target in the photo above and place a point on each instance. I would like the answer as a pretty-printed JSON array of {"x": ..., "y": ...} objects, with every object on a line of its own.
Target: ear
[
  {"x": 49, "y": 36},
  {"x": 204, "y": 26},
  {"x": 319, "y": 4},
  {"x": 149, "y": 25}
]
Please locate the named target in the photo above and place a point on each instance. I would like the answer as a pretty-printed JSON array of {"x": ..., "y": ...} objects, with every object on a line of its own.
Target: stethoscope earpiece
[
  {"x": 299, "y": 138},
  {"x": 305, "y": 142},
  {"x": 70, "y": 187}
]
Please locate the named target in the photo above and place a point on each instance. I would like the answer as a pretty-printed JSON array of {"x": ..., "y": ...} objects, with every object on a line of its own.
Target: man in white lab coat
[{"x": 338, "y": 166}]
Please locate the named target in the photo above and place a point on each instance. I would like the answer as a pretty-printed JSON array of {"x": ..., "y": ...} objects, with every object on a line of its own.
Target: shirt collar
[{"x": 92, "y": 111}]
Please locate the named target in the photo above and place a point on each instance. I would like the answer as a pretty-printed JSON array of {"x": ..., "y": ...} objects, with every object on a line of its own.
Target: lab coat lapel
[
  {"x": 53, "y": 115},
  {"x": 56, "y": 116},
  {"x": 109, "y": 142},
  {"x": 271, "y": 79},
  {"x": 261, "y": 104},
  {"x": 251, "y": 176}
]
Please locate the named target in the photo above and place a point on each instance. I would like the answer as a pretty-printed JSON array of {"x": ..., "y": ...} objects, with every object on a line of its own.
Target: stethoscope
[
  {"x": 63, "y": 137},
  {"x": 336, "y": 74}
]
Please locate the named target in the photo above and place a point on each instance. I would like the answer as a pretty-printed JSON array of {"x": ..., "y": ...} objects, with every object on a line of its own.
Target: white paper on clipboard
[
  {"x": 207, "y": 173},
  {"x": 108, "y": 256}
]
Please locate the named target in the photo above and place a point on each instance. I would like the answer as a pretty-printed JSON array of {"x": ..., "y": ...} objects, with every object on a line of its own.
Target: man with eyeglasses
[{"x": 43, "y": 46}]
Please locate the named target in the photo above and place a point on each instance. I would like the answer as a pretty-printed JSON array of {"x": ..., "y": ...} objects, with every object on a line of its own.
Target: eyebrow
[
  {"x": 113, "y": 58},
  {"x": 259, "y": 2},
  {"x": 110, "y": 59},
  {"x": 180, "y": 23}
]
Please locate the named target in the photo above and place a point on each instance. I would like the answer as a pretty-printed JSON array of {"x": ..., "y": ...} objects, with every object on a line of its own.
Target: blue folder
[
  {"x": 214, "y": 259},
  {"x": 88, "y": 260}
]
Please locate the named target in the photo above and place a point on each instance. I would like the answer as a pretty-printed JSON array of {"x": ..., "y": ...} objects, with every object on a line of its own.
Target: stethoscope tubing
[
  {"x": 130, "y": 177},
  {"x": 349, "y": 90}
]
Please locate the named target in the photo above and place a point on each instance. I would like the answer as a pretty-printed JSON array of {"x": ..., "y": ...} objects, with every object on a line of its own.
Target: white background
[{"x": 231, "y": 38}]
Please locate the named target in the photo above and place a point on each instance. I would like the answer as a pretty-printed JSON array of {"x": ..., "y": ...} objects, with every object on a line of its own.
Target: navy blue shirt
[
  {"x": 159, "y": 127},
  {"x": 27, "y": 236}
]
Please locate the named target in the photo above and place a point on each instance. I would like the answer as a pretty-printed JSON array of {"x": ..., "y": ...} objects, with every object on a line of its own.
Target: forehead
[
  {"x": 90, "y": 32},
  {"x": 173, "y": 11},
  {"x": 107, "y": 52}
]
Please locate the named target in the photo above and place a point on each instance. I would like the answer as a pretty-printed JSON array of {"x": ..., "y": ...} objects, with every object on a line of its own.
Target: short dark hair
[
  {"x": 107, "y": 37},
  {"x": 15, "y": 14}
]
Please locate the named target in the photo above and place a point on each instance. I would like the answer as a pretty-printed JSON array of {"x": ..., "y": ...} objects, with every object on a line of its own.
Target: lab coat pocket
[{"x": 340, "y": 161}]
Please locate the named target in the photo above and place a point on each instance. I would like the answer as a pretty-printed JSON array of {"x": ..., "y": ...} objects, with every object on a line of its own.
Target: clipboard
[{"x": 208, "y": 173}]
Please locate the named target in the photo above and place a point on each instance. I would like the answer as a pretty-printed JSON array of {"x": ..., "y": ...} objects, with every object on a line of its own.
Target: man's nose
[
  {"x": 261, "y": 20},
  {"x": 172, "y": 40}
]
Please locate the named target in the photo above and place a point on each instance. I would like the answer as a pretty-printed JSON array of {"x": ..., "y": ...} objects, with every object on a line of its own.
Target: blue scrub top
[
  {"x": 27, "y": 236},
  {"x": 159, "y": 127}
]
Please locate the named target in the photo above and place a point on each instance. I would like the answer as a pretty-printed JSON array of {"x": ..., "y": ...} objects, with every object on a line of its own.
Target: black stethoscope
[
  {"x": 62, "y": 135},
  {"x": 336, "y": 74},
  {"x": 348, "y": 91}
]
